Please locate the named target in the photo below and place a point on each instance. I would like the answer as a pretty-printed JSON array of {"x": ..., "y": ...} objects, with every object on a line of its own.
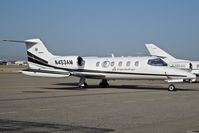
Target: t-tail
[
  {"x": 38, "y": 59},
  {"x": 156, "y": 51}
]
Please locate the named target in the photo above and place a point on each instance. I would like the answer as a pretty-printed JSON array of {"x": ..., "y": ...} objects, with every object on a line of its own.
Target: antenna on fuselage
[{"x": 112, "y": 55}]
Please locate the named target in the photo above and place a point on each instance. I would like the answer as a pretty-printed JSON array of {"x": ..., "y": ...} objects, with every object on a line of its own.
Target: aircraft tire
[
  {"x": 84, "y": 85},
  {"x": 104, "y": 83},
  {"x": 171, "y": 87}
]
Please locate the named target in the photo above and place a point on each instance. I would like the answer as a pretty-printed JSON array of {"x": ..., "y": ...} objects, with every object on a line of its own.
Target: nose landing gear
[{"x": 171, "y": 87}]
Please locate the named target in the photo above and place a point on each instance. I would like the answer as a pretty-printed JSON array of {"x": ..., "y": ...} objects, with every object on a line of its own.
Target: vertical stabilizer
[
  {"x": 36, "y": 51},
  {"x": 156, "y": 51},
  {"x": 35, "y": 47}
]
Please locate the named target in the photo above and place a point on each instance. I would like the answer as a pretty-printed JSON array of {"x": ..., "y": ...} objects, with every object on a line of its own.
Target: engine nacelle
[{"x": 70, "y": 62}]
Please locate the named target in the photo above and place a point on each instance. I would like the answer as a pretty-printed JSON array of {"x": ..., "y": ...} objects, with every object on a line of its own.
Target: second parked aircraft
[{"x": 192, "y": 66}]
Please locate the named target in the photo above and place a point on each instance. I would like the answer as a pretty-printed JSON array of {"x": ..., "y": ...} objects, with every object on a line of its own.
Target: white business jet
[
  {"x": 192, "y": 66},
  {"x": 43, "y": 63}
]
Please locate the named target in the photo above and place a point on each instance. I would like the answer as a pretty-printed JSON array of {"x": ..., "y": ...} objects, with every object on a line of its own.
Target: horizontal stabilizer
[
  {"x": 45, "y": 73},
  {"x": 25, "y": 42}
]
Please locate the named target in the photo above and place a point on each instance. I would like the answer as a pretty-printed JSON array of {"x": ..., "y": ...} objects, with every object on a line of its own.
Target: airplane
[
  {"x": 44, "y": 64},
  {"x": 3, "y": 62},
  {"x": 191, "y": 66}
]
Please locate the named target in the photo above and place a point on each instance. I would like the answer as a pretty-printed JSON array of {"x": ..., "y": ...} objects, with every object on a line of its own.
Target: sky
[{"x": 101, "y": 27}]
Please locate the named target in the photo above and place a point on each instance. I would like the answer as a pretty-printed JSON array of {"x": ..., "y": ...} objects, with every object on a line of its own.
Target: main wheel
[
  {"x": 171, "y": 88},
  {"x": 103, "y": 84},
  {"x": 84, "y": 85}
]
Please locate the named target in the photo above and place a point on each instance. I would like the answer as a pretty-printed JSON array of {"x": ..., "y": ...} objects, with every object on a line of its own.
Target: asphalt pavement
[{"x": 50, "y": 105}]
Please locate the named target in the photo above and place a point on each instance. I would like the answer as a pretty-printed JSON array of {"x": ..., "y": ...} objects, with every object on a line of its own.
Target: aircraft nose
[{"x": 191, "y": 76}]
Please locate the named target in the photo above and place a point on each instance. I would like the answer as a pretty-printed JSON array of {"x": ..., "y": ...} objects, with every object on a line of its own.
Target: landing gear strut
[
  {"x": 82, "y": 83},
  {"x": 171, "y": 87},
  {"x": 104, "y": 83}
]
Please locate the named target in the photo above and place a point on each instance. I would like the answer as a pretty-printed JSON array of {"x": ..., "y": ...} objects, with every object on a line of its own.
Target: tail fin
[
  {"x": 36, "y": 51},
  {"x": 36, "y": 48},
  {"x": 156, "y": 51}
]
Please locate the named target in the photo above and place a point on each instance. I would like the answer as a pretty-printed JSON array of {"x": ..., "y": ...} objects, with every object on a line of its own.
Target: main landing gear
[
  {"x": 171, "y": 87},
  {"x": 82, "y": 83},
  {"x": 102, "y": 84}
]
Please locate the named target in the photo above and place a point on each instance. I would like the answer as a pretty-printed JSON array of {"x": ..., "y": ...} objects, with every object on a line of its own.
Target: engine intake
[{"x": 80, "y": 61}]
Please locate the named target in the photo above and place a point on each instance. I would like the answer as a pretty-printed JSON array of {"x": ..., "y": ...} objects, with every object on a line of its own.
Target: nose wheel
[{"x": 171, "y": 87}]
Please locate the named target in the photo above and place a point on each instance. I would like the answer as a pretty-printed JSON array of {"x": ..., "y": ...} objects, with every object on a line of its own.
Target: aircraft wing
[{"x": 88, "y": 75}]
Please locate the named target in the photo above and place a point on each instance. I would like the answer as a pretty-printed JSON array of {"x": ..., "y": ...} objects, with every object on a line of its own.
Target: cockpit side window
[{"x": 157, "y": 62}]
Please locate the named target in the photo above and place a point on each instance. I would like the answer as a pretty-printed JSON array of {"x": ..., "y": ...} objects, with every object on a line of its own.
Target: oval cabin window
[
  {"x": 112, "y": 63},
  {"x": 137, "y": 63},
  {"x": 120, "y": 64},
  {"x": 105, "y": 64},
  {"x": 128, "y": 63},
  {"x": 97, "y": 64}
]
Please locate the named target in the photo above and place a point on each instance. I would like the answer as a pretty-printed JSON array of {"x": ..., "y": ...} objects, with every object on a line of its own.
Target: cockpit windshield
[{"x": 157, "y": 62}]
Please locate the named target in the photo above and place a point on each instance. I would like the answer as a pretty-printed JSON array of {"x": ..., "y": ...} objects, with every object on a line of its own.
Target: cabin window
[
  {"x": 128, "y": 63},
  {"x": 105, "y": 64},
  {"x": 198, "y": 66},
  {"x": 120, "y": 64},
  {"x": 97, "y": 64},
  {"x": 112, "y": 63},
  {"x": 137, "y": 63}
]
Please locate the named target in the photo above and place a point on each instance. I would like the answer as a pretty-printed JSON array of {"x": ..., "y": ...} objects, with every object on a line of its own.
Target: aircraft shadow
[
  {"x": 14, "y": 126},
  {"x": 74, "y": 86}
]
